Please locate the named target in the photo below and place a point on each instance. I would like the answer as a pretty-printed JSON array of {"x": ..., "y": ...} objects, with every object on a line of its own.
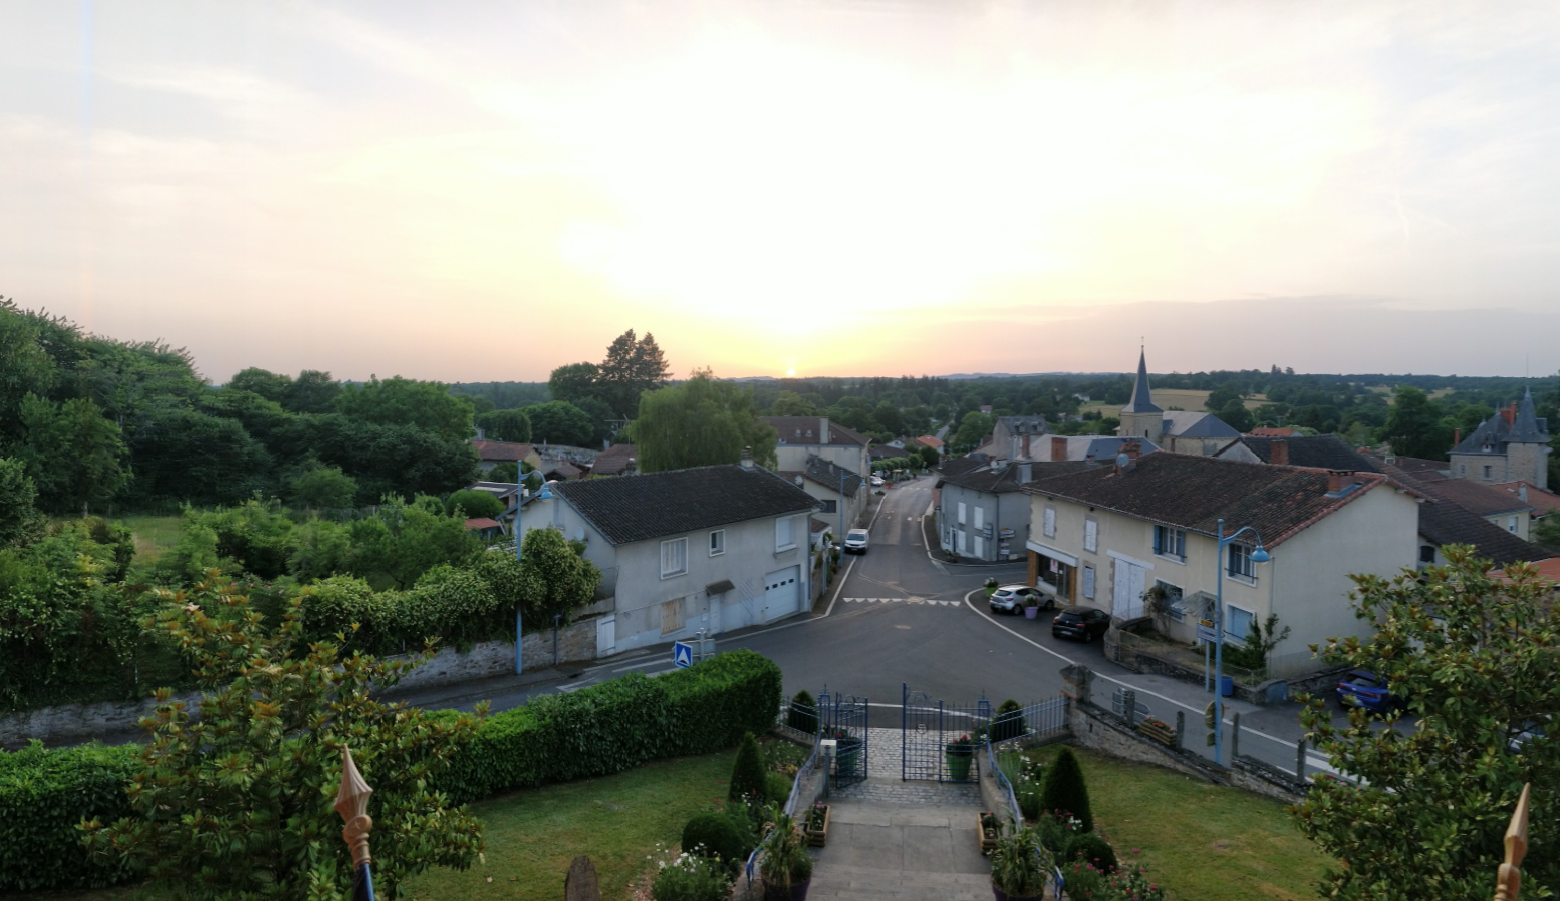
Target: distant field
[
  {"x": 1173, "y": 397},
  {"x": 153, "y": 535}
]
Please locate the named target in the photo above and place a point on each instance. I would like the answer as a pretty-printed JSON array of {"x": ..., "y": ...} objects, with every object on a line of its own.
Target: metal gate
[
  {"x": 844, "y": 719},
  {"x": 940, "y": 741}
]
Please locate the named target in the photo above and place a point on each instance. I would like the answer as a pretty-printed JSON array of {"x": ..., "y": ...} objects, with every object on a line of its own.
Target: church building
[{"x": 1177, "y": 431}]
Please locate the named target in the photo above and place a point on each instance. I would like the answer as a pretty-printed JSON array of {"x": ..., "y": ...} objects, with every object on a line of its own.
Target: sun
[{"x": 790, "y": 373}]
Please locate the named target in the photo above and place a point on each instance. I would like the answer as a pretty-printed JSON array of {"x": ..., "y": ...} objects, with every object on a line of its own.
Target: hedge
[
  {"x": 43, "y": 795},
  {"x": 597, "y": 731}
]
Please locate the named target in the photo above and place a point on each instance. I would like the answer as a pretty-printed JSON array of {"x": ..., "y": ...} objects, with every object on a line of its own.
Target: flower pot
[
  {"x": 987, "y": 840},
  {"x": 796, "y": 892},
  {"x": 1004, "y": 896},
  {"x": 959, "y": 765},
  {"x": 1031, "y": 612},
  {"x": 817, "y": 837}
]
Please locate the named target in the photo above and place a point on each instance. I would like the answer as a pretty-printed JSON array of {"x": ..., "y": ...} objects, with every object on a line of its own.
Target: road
[{"x": 900, "y": 616}]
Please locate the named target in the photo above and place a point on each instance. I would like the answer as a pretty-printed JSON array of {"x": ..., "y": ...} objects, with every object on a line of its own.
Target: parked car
[
  {"x": 856, "y": 541},
  {"x": 877, "y": 481},
  {"x": 1014, "y": 598},
  {"x": 1363, "y": 688},
  {"x": 1080, "y": 623}
]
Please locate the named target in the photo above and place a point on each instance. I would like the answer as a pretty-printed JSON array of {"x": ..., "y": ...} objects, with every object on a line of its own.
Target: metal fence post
[
  {"x": 1180, "y": 729},
  {"x": 1300, "y": 760},
  {"x": 1235, "y": 738}
]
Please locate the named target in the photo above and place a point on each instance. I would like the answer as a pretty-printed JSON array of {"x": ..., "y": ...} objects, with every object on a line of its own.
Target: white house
[
  {"x": 800, "y": 437},
  {"x": 714, "y": 548}
]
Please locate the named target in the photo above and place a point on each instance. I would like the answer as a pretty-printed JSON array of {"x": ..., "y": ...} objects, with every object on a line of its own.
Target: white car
[
  {"x": 877, "y": 482},
  {"x": 856, "y": 541}
]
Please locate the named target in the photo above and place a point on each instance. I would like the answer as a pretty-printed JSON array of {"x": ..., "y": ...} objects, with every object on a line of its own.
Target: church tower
[
  {"x": 1140, "y": 418},
  {"x": 1511, "y": 445}
]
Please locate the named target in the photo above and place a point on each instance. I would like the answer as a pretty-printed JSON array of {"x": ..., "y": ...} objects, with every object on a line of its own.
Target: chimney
[
  {"x": 1339, "y": 481},
  {"x": 1026, "y": 475},
  {"x": 747, "y": 457},
  {"x": 1131, "y": 447},
  {"x": 1510, "y": 414},
  {"x": 1026, "y": 448},
  {"x": 823, "y": 430},
  {"x": 1522, "y": 492},
  {"x": 1058, "y": 449},
  {"x": 1278, "y": 452},
  {"x": 481, "y": 433},
  {"x": 1456, "y": 436}
]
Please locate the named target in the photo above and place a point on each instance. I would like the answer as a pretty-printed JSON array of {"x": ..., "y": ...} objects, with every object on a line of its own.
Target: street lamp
[
  {"x": 543, "y": 495},
  {"x": 1259, "y": 555}
]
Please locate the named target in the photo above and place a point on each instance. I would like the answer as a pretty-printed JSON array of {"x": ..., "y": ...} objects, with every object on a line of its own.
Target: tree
[
  {"x": 929, "y": 456},
  {"x": 323, "y": 487},
  {"x": 888, "y": 416},
  {"x": 272, "y": 386},
  {"x": 1546, "y": 532},
  {"x": 20, "y": 523},
  {"x": 631, "y": 367},
  {"x": 1414, "y": 426},
  {"x": 401, "y": 401},
  {"x": 72, "y": 453},
  {"x": 560, "y": 422},
  {"x": 705, "y": 421},
  {"x": 1236, "y": 416},
  {"x": 1475, "y": 661},
  {"x": 187, "y": 455},
  {"x": 561, "y": 580},
  {"x": 312, "y": 391},
  {"x": 789, "y": 403},
  {"x": 402, "y": 541},
  {"x": 474, "y": 504},
  {"x": 574, "y": 382},
  {"x": 1064, "y": 790},
  {"x": 505, "y": 425},
  {"x": 747, "y": 773},
  {"x": 972, "y": 428},
  {"x": 237, "y": 802}
]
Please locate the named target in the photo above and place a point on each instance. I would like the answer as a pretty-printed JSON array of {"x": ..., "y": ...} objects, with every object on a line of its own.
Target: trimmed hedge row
[
  {"x": 44, "y": 793},
  {"x": 618, "y": 725},
  {"x": 597, "y": 731}
]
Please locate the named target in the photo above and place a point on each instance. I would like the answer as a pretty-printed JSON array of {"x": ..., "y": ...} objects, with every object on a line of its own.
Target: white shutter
[
  {"x": 1088, "y": 582},
  {"x": 980, "y": 517},
  {"x": 961, "y": 513},
  {"x": 1050, "y": 522},
  {"x": 1091, "y": 535}
]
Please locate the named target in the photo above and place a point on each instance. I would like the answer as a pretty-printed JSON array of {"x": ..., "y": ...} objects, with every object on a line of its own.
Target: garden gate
[
  {"x": 844, "y": 719},
  {"x": 931, "y": 738}
]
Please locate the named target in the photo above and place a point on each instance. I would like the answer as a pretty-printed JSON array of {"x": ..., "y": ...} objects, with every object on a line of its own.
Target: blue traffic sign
[{"x": 682, "y": 653}]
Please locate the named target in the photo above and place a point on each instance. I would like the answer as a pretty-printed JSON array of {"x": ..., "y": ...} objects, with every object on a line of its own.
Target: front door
[
  {"x": 606, "y": 636},
  {"x": 715, "y": 606},
  {"x": 1127, "y": 597}
]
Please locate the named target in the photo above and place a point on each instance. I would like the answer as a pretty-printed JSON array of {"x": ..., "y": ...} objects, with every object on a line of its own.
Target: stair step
[{"x": 882, "y": 885}]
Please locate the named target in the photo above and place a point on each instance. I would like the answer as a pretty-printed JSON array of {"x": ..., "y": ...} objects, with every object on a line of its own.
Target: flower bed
[
  {"x": 987, "y": 828},
  {"x": 1158, "y": 730},
  {"x": 816, "y": 825}
]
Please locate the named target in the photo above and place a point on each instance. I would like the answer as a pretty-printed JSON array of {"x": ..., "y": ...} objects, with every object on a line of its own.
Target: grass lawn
[
  {"x": 1200, "y": 841},
  {"x": 153, "y": 535},
  {"x": 533, "y": 835}
]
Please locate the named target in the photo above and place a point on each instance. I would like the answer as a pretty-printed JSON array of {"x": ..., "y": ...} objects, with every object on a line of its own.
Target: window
[
  {"x": 674, "y": 557},
  {"x": 1088, "y": 582},
  {"x": 1426, "y": 553},
  {"x": 717, "y": 542},
  {"x": 784, "y": 538},
  {"x": 1173, "y": 600},
  {"x": 672, "y": 617},
  {"x": 1511, "y": 524},
  {"x": 1240, "y": 565},
  {"x": 980, "y": 518},
  {"x": 1239, "y": 625},
  {"x": 1091, "y": 534},
  {"x": 830, "y": 507},
  {"x": 1170, "y": 543},
  {"x": 961, "y": 513},
  {"x": 1050, "y": 522},
  {"x": 1489, "y": 473}
]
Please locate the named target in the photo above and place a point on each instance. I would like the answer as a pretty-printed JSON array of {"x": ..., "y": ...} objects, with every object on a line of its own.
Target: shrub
[
  {"x": 1029, "y": 803},
  {"x": 747, "y": 772},
  {"x": 44, "y": 794},
  {"x": 1065, "y": 791},
  {"x": 715, "y": 835},
  {"x": 1090, "y": 848},
  {"x": 803, "y": 715},
  {"x": 777, "y": 787},
  {"x": 1008, "y": 724},
  {"x": 1085, "y": 882},
  {"x": 690, "y": 877},
  {"x": 474, "y": 504}
]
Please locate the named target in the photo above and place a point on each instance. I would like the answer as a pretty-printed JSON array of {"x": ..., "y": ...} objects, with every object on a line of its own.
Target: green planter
[{"x": 960, "y": 757}]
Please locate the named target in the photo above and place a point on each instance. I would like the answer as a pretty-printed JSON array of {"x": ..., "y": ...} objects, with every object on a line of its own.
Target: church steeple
[
  {"x": 1141, "y": 401},
  {"x": 1528, "y": 428}
]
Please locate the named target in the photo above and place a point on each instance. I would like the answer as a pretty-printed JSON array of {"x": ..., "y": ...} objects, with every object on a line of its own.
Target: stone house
[{"x": 1512, "y": 445}]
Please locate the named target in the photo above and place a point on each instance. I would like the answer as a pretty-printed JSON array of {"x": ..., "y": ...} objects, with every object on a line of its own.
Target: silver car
[
  {"x": 856, "y": 541},
  {"x": 1014, "y": 598}
]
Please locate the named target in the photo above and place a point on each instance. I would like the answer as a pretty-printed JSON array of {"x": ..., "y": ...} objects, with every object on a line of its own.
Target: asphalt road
[{"x": 898, "y": 616}]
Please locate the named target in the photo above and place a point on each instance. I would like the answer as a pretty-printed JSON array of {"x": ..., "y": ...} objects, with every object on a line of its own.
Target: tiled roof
[
  {"x": 1102, "y": 448},
  {"x": 1423, "y": 470},
  {"x": 614, "y": 460},
  {"x": 1492, "y": 435},
  {"x": 1547, "y": 569},
  {"x": 1543, "y": 502},
  {"x": 929, "y": 441},
  {"x": 1023, "y": 425},
  {"x": 481, "y": 522},
  {"x": 1192, "y": 424},
  {"x": 993, "y": 478},
  {"x": 807, "y": 429},
  {"x": 502, "y": 451},
  {"x": 1193, "y": 493},
  {"x": 1485, "y": 500},
  {"x": 561, "y": 468},
  {"x": 1316, "y": 451},
  {"x": 1267, "y": 431},
  {"x": 684, "y": 500},
  {"x": 1443, "y": 521}
]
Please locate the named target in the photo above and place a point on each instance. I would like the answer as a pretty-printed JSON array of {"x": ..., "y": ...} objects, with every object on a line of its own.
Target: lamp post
[
  {"x": 543, "y": 495},
  {"x": 1259, "y": 555}
]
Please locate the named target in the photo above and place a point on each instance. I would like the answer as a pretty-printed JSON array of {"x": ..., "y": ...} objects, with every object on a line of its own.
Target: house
[
  {"x": 617, "y": 460},
  {"x": 1104, "y": 536},
  {"x": 1509, "y": 446},
  {"x": 1443, "y": 520},
  {"x": 841, "y": 494},
  {"x": 713, "y": 548},
  {"x": 492, "y": 453},
  {"x": 1012, "y": 436},
  {"x": 1544, "y": 503},
  {"x": 1076, "y": 448},
  {"x": 928, "y": 441},
  {"x": 800, "y": 437},
  {"x": 981, "y": 510},
  {"x": 486, "y": 528},
  {"x": 1178, "y": 431},
  {"x": 1315, "y": 451},
  {"x": 559, "y": 470}
]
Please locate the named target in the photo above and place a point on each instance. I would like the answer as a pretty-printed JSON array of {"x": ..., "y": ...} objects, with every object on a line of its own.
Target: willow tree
[{"x": 705, "y": 421}]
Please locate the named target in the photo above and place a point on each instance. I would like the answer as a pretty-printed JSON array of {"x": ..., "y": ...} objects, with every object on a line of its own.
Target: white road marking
[{"x": 903, "y": 601}]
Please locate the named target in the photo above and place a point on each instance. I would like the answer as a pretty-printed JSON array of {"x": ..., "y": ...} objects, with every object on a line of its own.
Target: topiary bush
[
  {"x": 1008, "y": 723},
  {"x": 747, "y": 773},
  {"x": 803, "y": 715},
  {"x": 714, "y": 835},
  {"x": 1090, "y": 848},
  {"x": 1065, "y": 792}
]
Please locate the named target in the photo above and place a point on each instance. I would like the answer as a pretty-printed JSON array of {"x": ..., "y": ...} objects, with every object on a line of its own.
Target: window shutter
[
  {"x": 1050, "y": 522},
  {"x": 1091, "y": 535}
]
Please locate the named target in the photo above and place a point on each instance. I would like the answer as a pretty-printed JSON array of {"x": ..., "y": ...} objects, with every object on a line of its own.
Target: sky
[{"x": 486, "y": 191}]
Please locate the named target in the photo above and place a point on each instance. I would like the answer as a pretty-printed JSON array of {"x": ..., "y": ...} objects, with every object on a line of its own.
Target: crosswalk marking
[{"x": 902, "y": 600}]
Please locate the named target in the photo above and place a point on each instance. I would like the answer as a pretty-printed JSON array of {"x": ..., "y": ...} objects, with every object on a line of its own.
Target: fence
[
  {"x": 1189, "y": 660},
  {"x": 789, "y": 721},
  {"x": 1043, "y": 719}
]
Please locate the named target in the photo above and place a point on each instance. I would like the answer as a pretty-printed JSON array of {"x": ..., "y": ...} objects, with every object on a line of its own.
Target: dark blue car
[{"x": 1363, "y": 688}]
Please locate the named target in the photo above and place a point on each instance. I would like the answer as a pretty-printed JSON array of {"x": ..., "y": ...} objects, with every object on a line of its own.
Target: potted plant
[
  {"x": 1158, "y": 730},
  {"x": 1031, "y": 607},
  {"x": 786, "y": 866},
  {"x": 961, "y": 754},
  {"x": 991, "y": 585},
  {"x": 1019, "y": 866},
  {"x": 988, "y": 827}
]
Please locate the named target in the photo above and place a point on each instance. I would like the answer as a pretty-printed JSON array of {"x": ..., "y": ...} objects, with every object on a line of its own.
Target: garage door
[{"x": 782, "y": 593}]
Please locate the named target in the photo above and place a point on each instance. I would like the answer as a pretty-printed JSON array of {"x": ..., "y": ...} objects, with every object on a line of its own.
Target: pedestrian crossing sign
[{"x": 682, "y": 654}]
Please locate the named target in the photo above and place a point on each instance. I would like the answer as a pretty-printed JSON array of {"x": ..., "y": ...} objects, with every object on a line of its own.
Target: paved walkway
[{"x": 890, "y": 839}]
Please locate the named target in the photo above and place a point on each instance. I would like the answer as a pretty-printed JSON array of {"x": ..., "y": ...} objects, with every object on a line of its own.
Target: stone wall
[
  {"x": 116, "y": 721},
  {"x": 1255, "y": 776},
  {"x": 1099, "y": 729},
  {"x": 1272, "y": 691}
]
